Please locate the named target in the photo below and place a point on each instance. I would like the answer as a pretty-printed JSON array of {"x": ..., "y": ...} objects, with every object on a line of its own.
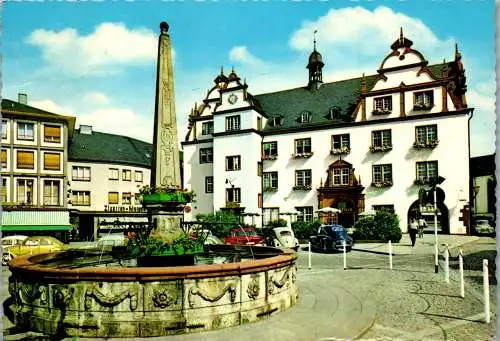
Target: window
[
  {"x": 426, "y": 134},
  {"x": 113, "y": 174},
  {"x": 4, "y": 190},
  {"x": 381, "y": 138},
  {"x": 270, "y": 150},
  {"x": 276, "y": 121},
  {"x": 306, "y": 213},
  {"x": 52, "y": 161},
  {"x": 233, "y": 194},
  {"x": 126, "y": 198},
  {"x": 25, "y": 191},
  {"x": 334, "y": 113},
  {"x": 126, "y": 175},
  {"x": 25, "y": 131},
  {"x": 424, "y": 100},
  {"x": 206, "y": 155},
  {"x": 81, "y": 198},
  {"x": 270, "y": 181},
  {"x": 3, "y": 158},
  {"x": 4, "y": 129},
  {"x": 382, "y": 105},
  {"x": 259, "y": 123},
  {"x": 233, "y": 163},
  {"x": 112, "y": 198},
  {"x": 51, "y": 192},
  {"x": 207, "y": 128},
  {"x": 233, "y": 123},
  {"x": 341, "y": 144},
  {"x": 305, "y": 117},
  {"x": 270, "y": 214},
  {"x": 427, "y": 171},
  {"x": 209, "y": 184},
  {"x": 389, "y": 208},
  {"x": 341, "y": 176},
  {"x": 25, "y": 159},
  {"x": 80, "y": 173},
  {"x": 52, "y": 133},
  {"x": 303, "y": 178},
  {"x": 303, "y": 146},
  {"x": 138, "y": 176},
  {"x": 382, "y": 174}
]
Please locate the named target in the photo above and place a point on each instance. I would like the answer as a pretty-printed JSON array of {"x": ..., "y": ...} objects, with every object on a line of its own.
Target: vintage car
[
  {"x": 331, "y": 237},
  {"x": 13, "y": 240},
  {"x": 243, "y": 236},
  {"x": 282, "y": 237},
  {"x": 32, "y": 245}
]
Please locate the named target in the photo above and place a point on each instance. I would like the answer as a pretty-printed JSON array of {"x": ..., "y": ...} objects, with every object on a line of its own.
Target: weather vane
[{"x": 315, "y": 31}]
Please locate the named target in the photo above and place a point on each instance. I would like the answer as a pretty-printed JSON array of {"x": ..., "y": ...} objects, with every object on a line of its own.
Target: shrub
[
  {"x": 384, "y": 226},
  {"x": 277, "y": 223},
  {"x": 304, "y": 229},
  {"x": 222, "y": 222}
]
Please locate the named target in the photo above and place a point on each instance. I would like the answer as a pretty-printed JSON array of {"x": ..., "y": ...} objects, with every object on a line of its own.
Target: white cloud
[
  {"x": 51, "y": 106},
  {"x": 95, "y": 98},
  {"x": 111, "y": 45},
  {"x": 242, "y": 55}
]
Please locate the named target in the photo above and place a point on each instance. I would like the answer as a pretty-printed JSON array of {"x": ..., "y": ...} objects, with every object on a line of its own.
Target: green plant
[
  {"x": 383, "y": 226},
  {"x": 220, "y": 222},
  {"x": 304, "y": 229},
  {"x": 181, "y": 194},
  {"x": 277, "y": 223}
]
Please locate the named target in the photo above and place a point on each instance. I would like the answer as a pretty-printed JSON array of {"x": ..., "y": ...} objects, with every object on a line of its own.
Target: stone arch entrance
[{"x": 426, "y": 213}]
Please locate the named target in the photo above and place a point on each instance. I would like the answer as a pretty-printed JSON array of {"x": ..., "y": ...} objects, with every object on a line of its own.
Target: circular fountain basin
[{"x": 105, "y": 298}]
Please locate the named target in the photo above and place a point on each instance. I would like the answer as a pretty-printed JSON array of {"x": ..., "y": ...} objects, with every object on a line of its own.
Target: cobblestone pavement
[{"x": 410, "y": 302}]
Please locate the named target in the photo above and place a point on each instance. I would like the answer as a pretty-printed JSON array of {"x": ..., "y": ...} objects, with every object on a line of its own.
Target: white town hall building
[{"x": 357, "y": 144}]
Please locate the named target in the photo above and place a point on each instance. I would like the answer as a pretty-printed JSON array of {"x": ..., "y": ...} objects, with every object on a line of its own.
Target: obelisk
[{"x": 165, "y": 170}]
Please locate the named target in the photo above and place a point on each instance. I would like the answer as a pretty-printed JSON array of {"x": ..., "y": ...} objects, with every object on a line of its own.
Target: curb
[{"x": 372, "y": 312}]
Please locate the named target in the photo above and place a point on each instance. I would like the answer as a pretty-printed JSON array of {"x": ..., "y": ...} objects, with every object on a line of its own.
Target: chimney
[{"x": 22, "y": 98}]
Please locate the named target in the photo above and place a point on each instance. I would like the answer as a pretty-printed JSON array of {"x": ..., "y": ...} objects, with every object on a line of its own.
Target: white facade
[{"x": 425, "y": 124}]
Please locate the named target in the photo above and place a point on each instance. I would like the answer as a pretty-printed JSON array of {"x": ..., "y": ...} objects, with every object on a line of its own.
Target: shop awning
[{"x": 35, "y": 221}]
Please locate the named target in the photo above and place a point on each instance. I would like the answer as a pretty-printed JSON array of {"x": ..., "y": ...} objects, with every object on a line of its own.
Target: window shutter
[
  {"x": 51, "y": 161},
  {"x": 4, "y": 156},
  {"x": 25, "y": 160},
  {"x": 113, "y": 197},
  {"x": 53, "y": 132}
]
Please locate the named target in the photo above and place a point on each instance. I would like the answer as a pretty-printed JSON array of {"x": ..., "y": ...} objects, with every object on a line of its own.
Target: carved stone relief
[
  {"x": 196, "y": 291},
  {"x": 253, "y": 288},
  {"x": 61, "y": 295},
  {"x": 273, "y": 282},
  {"x": 162, "y": 297},
  {"x": 104, "y": 300}
]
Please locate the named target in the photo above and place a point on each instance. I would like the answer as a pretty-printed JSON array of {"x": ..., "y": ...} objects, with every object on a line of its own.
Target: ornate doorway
[{"x": 343, "y": 191}]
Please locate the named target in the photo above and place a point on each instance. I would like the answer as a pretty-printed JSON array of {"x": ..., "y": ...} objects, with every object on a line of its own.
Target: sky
[{"x": 97, "y": 60}]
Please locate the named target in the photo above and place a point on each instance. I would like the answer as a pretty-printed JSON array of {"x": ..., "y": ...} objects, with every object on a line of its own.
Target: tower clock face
[{"x": 232, "y": 98}]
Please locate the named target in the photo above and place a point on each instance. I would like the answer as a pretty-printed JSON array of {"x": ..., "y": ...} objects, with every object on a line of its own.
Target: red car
[{"x": 243, "y": 236}]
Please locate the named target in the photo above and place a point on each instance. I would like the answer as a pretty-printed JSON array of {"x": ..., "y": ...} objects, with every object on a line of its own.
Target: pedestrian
[{"x": 412, "y": 230}]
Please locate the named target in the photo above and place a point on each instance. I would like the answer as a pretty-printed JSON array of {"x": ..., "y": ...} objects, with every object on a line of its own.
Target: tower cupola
[{"x": 315, "y": 67}]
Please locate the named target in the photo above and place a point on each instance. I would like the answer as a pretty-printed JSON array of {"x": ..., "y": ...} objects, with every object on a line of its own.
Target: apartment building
[{"x": 34, "y": 177}]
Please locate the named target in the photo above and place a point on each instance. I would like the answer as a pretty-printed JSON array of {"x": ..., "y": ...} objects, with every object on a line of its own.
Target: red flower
[{"x": 185, "y": 189}]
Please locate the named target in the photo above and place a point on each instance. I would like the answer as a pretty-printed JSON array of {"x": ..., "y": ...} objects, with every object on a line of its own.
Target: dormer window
[
  {"x": 424, "y": 100},
  {"x": 305, "y": 117},
  {"x": 276, "y": 121},
  {"x": 382, "y": 105},
  {"x": 334, "y": 113}
]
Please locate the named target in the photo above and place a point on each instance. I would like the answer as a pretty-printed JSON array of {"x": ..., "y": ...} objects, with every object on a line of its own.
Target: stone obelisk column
[{"x": 165, "y": 167}]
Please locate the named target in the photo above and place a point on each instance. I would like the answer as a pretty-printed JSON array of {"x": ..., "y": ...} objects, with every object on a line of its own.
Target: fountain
[{"x": 80, "y": 293}]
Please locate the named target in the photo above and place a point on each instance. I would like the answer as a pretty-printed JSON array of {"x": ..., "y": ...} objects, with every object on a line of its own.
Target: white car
[
  {"x": 283, "y": 237},
  {"x": 483, "y": 226}
]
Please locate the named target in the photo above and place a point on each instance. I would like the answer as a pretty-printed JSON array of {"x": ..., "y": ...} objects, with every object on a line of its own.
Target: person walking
[{"x": 413, "y": 230}]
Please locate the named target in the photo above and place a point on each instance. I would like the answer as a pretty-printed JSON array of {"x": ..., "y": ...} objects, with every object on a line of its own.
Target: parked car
[
  {"x": 330, "y": 237},
  {"x": 32, "y": 245},
  {"x": 282, "y": 237},
  {"x": 13, "y": 240},
  {"x": 213, "y": 240},
  {"x": 483, "y": 227},
  {"x": 243, "y": 236}
]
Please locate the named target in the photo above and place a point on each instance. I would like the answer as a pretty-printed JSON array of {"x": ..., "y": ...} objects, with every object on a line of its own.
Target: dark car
[{"x": 330, "y": 237}]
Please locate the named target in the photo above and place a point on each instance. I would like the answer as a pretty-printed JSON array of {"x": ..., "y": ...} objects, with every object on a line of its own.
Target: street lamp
[{"x": 439, "y": 180}]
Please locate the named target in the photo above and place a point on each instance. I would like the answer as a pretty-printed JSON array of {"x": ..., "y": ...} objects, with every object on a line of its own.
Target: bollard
[
  {"x": 461, "y": 268},
  {"x": 447, "y": 264},
  {"x": 345, "y": 259},
  {"x": 486, "y": 289},
  {"x": 390, "y": 255},
  {"x": 309, "y": 252}
]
